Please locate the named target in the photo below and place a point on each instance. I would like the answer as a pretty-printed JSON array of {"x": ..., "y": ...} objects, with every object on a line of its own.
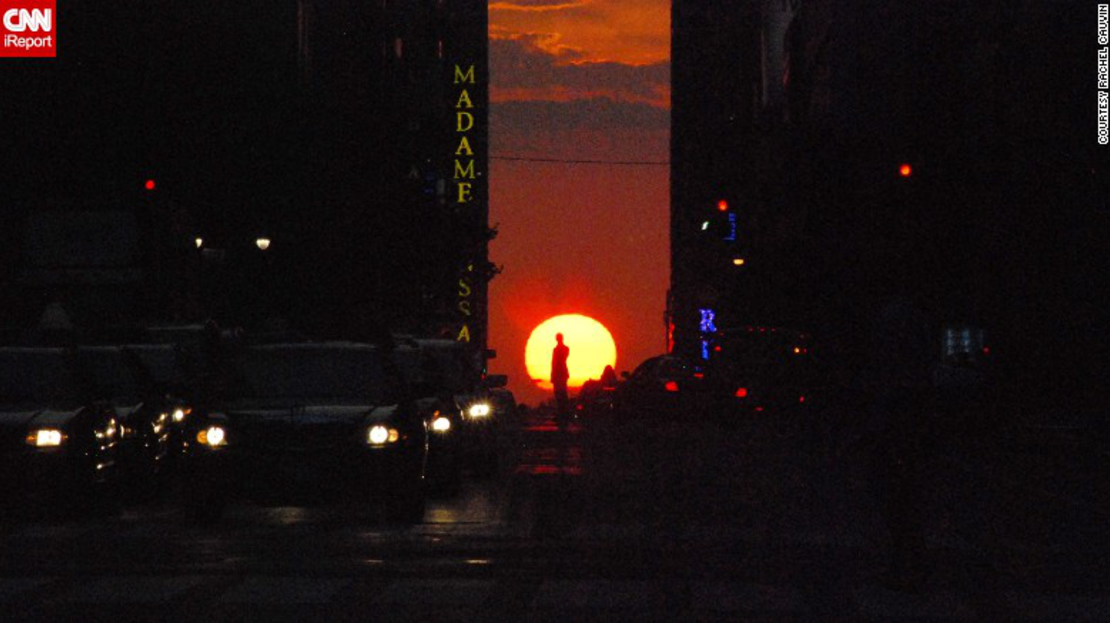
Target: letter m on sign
[{"x": 466, "y": 77}]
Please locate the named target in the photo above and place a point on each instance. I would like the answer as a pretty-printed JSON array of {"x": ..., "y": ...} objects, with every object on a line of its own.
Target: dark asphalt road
[{"x": 760, "y": 520}]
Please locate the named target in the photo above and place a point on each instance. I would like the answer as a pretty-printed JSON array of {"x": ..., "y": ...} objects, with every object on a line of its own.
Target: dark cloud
[
  {"x": 536, "y": 5},
  {"x": 593, "y": 114},
  {"x": 536, "y": 67}
]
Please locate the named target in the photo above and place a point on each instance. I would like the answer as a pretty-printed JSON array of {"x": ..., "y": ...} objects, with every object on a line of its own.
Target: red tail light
[
  {"x": 699, "y": 375},
  {"x": 742, "y": 392},
  {"x": 801, "y": 398},
  {"x": 671, "y": 386}
]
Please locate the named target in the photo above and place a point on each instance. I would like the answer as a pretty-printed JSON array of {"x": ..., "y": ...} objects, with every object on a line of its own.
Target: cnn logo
[
  {"x": 35, "y": 20},
  {"x": 29, "y": 29}
]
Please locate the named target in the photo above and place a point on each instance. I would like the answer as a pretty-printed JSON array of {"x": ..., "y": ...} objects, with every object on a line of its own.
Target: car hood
[
  {"x": 22, "y": 417},
  {"x": 16, "y": 420},
  {"x": 258, "y": 413}
]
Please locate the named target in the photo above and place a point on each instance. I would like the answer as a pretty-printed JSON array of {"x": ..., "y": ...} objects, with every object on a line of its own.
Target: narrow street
[{"x": 756, "y": 522}]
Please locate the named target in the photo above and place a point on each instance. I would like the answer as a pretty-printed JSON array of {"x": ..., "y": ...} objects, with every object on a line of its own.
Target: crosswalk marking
[
  {"x": 713, "y": 598},
  {"x": 12, "y": 589},
  {"x": 600, "y": 595},
  {"x": 438, "y": 592},
  {"x": 882, "y": 602},
  {"x": 1061, "y": 606},
  {"x": 285, "y": 590},
  {"x": 131, "y": 589},
  {"x": 724, "y": 597}
]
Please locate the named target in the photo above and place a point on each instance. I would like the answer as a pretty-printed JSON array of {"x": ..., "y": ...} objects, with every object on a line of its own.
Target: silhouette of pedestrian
[{"x": 559, "y": 377}]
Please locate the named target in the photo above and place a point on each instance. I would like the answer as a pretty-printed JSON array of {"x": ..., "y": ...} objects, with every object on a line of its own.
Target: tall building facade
[
  {"x": 727, "y": 114},
  {"x": 940, "y": 153}
]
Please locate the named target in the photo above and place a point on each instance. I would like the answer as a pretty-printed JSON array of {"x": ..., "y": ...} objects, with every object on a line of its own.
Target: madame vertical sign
[{"x": 464, "y": 179}]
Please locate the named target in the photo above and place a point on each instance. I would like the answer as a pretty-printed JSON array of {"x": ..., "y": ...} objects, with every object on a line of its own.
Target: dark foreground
[{"x": 769, "y": 519}]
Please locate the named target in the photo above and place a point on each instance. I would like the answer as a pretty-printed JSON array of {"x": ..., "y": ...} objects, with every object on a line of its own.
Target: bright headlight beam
[
  {"x": 212, "y": 436},
  {"x": 378, "y": 435},
  {"x": 441, "y": 424},
  {"x": 179, "y": 415},
  {"x": 45, "y": 438},
  {"x": 479, "y": 410}
]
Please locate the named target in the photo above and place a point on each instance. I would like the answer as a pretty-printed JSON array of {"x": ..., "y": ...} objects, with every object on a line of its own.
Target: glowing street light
[{"x": 262, "y": 244}]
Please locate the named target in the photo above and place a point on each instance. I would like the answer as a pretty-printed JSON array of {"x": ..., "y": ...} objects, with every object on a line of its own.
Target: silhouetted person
[{"x": 559, "y": 377}]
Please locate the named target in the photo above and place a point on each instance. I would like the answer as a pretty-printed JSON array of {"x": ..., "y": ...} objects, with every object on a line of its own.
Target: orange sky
[{"x": 582, "y": 80}]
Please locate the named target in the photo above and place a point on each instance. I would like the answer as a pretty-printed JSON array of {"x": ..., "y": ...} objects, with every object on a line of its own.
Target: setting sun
[{"x": 591, "y": 349}]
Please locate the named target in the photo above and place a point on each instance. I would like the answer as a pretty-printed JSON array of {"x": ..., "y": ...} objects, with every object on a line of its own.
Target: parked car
[
  {"x": 673, "y": 387},
  {"x": 447, "y": 369},
  {"x": 307, "y": 423},
  {"x": 59, "y": 445},
  {"x": 595, "y": 399}
]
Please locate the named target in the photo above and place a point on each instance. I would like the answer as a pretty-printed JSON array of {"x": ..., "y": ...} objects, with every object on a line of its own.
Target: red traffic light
[
  {"x": 905, "y": 170},
  {"x": 722, "y": 205},
  {"x": 149, "y": 185}
]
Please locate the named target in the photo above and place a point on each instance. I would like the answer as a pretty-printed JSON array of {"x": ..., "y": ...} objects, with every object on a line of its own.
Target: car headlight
[
  {"x": 212, "y": 436},
  {"x": 481, "y": 409},
  {"x": 110, "y": 431},
  {"x": 441, "y": 424},
  {"x": 180, "y": 413},
  {"x": 45, "y": 438},
  {"x": 379, "y": 435}
]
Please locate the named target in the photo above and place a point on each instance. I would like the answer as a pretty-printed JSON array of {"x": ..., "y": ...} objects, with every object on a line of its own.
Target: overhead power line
[{"x": 636, "y": 163}]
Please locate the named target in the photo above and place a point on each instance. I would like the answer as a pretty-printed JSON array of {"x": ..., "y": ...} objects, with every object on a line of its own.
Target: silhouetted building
[
  {"x": 303, "y": 151},
  {"x": 727, "y": 113},
  {"x": 942, "y": 152}
]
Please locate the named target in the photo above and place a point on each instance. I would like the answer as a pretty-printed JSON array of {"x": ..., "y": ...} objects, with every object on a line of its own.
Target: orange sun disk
[{"x": 590, "y": 343}]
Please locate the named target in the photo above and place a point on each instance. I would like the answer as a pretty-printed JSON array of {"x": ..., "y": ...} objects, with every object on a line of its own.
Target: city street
[{"x": 762, "y": 522}]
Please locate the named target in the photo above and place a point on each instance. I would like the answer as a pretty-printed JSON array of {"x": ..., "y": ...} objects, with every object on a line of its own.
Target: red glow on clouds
[{"x": 578, "y": 80}]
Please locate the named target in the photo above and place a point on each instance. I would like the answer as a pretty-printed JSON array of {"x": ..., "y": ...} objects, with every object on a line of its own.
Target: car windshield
[
  {"x": 36, "y": 375},
  {"x": 161, "y": 363},
  {"x": 445, "y": 366},
  {"x": 311, "y": 373}
]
